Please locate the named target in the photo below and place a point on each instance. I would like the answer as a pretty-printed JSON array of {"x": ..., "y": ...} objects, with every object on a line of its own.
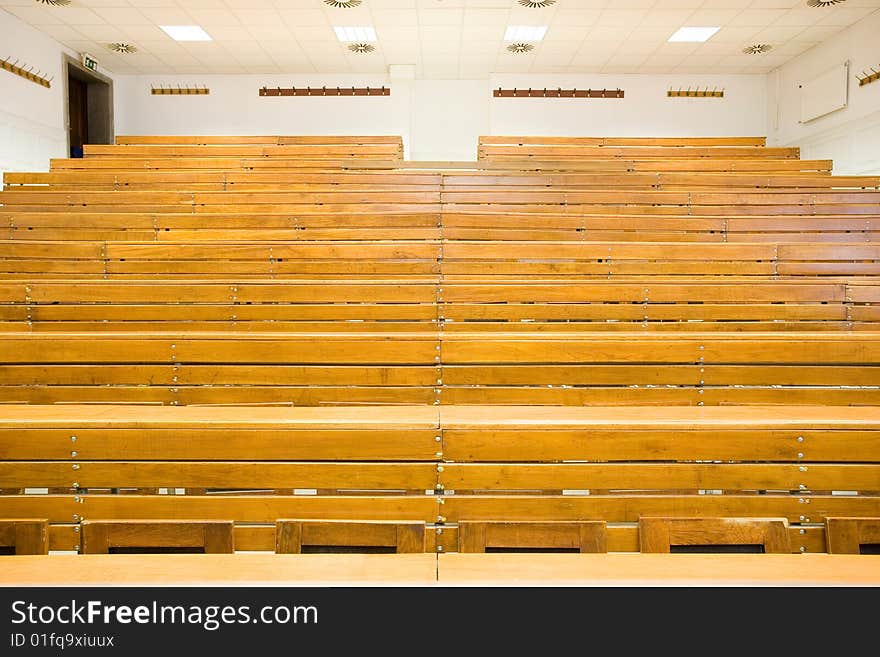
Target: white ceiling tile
[
  {"x": 439, "y": 33},
  {"x": 313, "y": 33},
  {"x": 61, "y": 32},
  {"x": 482, "y": 32},
  {"x": 106, "y": 33},
  {"x": 566, "y": 33},
  {"x": 146, "y": 33},
  {"x": 775, "y": 4},
  {"x": 802, "y": 17},
  {"x": 278, "y": 32},
  {"x": 398, "y": 33},
  {"x": 209, "y": 18},
  {"x": 258, "y": 17},
  {"x": 303, "y": 17},
  {"x": 224, "y": 33},
  {"x": 712, "y": 17},
  {"x": 734, "y": 34},
  {"x": 615, "y": 34},
  {"x": 124, "y": 16},
  {"x": 485, "y": 16},
  {"x": 395, "y": 17},
  {"x": 620, "y": 18},
  {"x": 757, "y": 17},
  {"x": 576, "y": 17},
  {"x": 167, "y": 16},
  {"x": 819, "y": 32},
  {"x": 776, "y": 35},
  {"x": 845, "y": 15},
  {"x": 444, "y": 17},
  {"x": 674, "y": 18},
  {"x": 36, "y": 15}
]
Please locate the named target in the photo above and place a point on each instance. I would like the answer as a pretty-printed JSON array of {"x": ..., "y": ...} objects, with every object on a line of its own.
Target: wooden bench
[
  {"x": 713, "y": 534},
  {"x": 346, "y": 536},
  {"x": 142, "y": 536},
  {"x": 24, "y": 536},
  {"x": 530, "y": 536},
  {"x": 852, "y": 535},
  {"x": 489, "y": 464}
]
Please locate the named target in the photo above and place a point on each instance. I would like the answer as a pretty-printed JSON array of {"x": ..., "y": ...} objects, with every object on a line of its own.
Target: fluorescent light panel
[
  {"x": 525, "y": 32},
  {"x": 360, "y": 34},
  {"x": 186, "y": 32},
  {"x": 693, "y": 34}
]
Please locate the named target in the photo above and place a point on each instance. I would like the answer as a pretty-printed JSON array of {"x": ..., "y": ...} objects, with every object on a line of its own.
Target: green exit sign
[{"x": 89, "y": 62}]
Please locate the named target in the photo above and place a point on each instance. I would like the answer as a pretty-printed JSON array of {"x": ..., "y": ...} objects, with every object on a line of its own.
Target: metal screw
[
  {"x": 77, "y": 499},
  {"x": 802, "y": 517},
  {"x": 437, "y": 439},
  {"x": 439, "y": 487},
  {"x": 803, "y": 549},
  {"x": 439, "y": 548},
  {"x": 73, "y": 439},
  {"x": 802, "y": 531},
  {"x": 441, "y": 518},
  {"x": 439, "y": 468},
  {"x": 438, "y": 454},
  {"x": 802, "y": 487},
  {"x": 75, "y": 517},
  {"x": 800, "y": 439},
  {"x": 75, "y": 484},
  {"x": 76, "y": 529},
  {"x": 76, "y": 466},
  {"x": 439, "y": 530},
  {"x": 802, "y": 468},
  {"x": 800, "y": 455},
  {"x": 73, "y": 454}
]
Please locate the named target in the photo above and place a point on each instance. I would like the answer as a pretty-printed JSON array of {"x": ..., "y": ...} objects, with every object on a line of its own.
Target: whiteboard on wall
[{"x": 824, "y": 94}]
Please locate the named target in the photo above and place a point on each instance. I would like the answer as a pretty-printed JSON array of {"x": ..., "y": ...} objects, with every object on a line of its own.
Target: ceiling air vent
[
  {"x": 342, "y": 4},
  {"x": 757, "y": 49},
  {"x": 520, "y": 48},
  {"x": 361, "y": 48},
  {"x": 824, "y": 3},
  {"x": 124, "y": 48},
  {"x": 54, "y": 3},
  {"x": 537, "y": 4}
]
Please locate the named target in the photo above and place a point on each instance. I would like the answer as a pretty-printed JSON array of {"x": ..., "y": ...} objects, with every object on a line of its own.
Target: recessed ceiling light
[
  {"x": 693, "y": 34},
  {"x": 186, "y": 32},
  {"x": 360, "y": 34},
  {"x": 525, "y": 32}
]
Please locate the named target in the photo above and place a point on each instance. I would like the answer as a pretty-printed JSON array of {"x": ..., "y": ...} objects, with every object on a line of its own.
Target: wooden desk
[
  {"x": 658, "y": 570},
  {"x": 263, "y": 569},
  {"x": 257, "y": 569}
]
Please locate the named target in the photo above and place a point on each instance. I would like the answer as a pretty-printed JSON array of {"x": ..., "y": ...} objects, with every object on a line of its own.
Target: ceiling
[{"x": 444, "y": 38}]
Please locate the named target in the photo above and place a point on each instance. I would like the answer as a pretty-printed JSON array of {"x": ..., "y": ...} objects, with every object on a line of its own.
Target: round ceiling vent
[
  {"x": 757, "y": 49},
  {"x": 124, "y": 48},
  {"x": 824, "y": 3},
  {"x": 361, "y": 48},
  {"x": 537, "y": 4},
  {"x": 342, "y": 4},
  {"x": 54, "y": 3},
  {"x": 520, "y": 48}
]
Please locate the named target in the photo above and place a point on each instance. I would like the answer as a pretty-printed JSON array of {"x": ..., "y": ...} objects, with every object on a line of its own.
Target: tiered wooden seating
[
  {"x": 626, "y": 333},
  {"x": 231, "y": 153}
]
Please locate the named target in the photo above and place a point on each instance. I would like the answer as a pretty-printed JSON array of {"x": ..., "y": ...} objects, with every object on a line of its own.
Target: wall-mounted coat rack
[
  {"x": 695, "y": 93},
  {"x": 180, "y": 91},
  {"x": 868, "y": 78},
  {"x": 325, "y": 91},
  {"x": 27, "y": 74},
  {"x": 557, "y": 93}
]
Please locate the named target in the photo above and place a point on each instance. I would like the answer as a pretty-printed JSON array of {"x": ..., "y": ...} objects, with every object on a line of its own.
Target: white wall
[
  {"x": 31, "y": 117},
  {"x": 442, "y": 119},
  {"x": 851, "y": 136},
  {"x": 645, "y": 110},
  {"x": 234, "y": 107}
]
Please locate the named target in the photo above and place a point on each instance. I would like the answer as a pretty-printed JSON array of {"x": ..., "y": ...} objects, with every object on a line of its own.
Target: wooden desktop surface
[{"x": 264, "y": 569}]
